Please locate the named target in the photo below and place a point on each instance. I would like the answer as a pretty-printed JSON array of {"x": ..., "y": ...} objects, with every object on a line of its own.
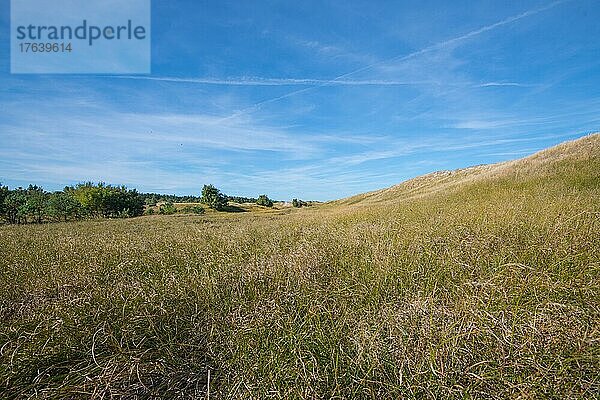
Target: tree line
[
  {"x": 152, "y": 199},
  {"x": 85, "y": 200},
  {"x": 213, "y": 197},
  {"x": 89, "y": 200}
]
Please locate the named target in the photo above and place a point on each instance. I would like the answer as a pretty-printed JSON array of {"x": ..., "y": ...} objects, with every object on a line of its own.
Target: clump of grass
[{"x": 487, "y": 288}]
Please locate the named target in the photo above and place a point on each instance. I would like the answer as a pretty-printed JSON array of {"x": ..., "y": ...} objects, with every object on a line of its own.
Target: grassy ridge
[{"x": 481, "y": 283}]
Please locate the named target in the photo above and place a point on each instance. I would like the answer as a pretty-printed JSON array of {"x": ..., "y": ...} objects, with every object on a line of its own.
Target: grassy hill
[
  {"x": 476, "y": 283},
  {"x": 562, "y": 161}
]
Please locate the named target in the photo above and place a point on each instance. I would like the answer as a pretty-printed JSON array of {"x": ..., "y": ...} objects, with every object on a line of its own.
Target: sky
[{"x": 316, "y": 100}]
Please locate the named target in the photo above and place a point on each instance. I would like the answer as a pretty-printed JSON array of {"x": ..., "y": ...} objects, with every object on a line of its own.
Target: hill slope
[{"x": 565, "y": 158}]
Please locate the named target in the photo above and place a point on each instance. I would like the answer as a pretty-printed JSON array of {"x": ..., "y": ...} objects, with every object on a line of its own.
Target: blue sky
[{"x": 313, "y": 99}]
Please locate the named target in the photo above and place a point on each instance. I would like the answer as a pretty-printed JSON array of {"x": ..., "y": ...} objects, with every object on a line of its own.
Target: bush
[
  {"x": 167, "y": 209},
  {"x": 263, "y": 200},
  {"x": 193, "y": 210},
  {"x": 212, "y": 197},
  {"x": 151, "y": 201},
  {"x": 36, "y": 203},
  {"x": 241, "y": 199},
  {"x": 298, "y": 203}
]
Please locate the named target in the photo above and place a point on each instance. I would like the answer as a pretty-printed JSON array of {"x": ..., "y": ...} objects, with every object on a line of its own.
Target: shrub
[
  {"x": 151, "y": 201},
  {"x": 193, "y": 209},
  {"x": 263, "y": 200},
  {"x": 212, "y": 197},
  {"x": 298, "y": 203},
  {"x": 167, "y": 209}
]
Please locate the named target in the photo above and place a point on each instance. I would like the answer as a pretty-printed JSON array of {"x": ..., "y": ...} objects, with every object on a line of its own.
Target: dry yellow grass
[
  {"x": 538, "y": 164},
  {"x": 481, "y": 283}
]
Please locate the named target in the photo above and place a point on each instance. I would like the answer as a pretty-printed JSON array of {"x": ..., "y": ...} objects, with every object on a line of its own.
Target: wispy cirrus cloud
[
  {"x": 443, "y": 45},
  {"x": 260, "y": 81},
  {"x": 156, "y": 132},
  {"x": 342, "y": 79}
]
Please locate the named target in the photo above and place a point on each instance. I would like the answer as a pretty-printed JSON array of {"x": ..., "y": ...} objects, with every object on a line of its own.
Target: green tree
[
  {"x": 62, "y": 206},
  {"x": 212, "y": 197},
  {"x": 3, "y": 193},
  {"x": 108, "y": 201},
  {"x": 90, "y": 197},
  {"x": 14, "y": 206},
  {"x": 35, "y": 203},
  {"x": 134, "y": 203},
  {"x": 263, "y": 200},
  {"x": 122, "y": 203}
]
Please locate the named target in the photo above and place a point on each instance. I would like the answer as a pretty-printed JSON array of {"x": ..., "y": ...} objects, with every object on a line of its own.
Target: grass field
[{"x": 480, "y": 283}]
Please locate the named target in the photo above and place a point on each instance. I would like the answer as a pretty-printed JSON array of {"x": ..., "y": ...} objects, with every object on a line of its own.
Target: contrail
[
  {"x": 342, "y": 79},
  {"x": 256, "y": 81},
  {"x": 458, "y": 39},
  {"x": 516, "y": 84},
  {"x": 424, "y": 50},
  {"x": 252, "y": 81}
]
